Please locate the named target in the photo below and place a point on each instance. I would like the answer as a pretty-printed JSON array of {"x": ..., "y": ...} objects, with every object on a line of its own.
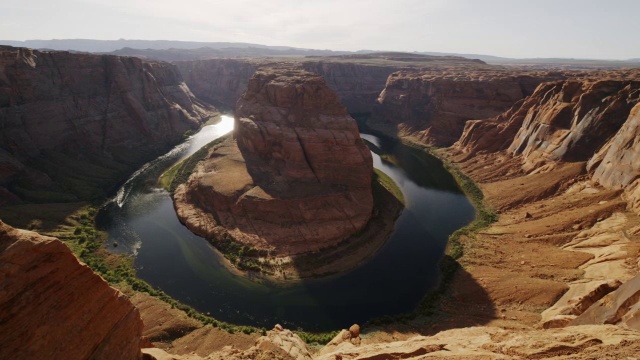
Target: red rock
[
  {"x": 297, "y": 180},
  {"x": 106, "y": 113},
  {"x": 54, "y": 307},
  {"x": 433, "y": 107}
]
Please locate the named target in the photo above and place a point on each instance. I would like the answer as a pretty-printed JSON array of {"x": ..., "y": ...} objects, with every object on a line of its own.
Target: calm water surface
[{"x": 141, "y": 219}]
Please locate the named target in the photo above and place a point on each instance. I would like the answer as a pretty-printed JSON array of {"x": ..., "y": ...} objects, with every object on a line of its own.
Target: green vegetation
[
  {"x": 89, "y": 245},
  {"x": 320, "y": 338},
  {"x": 484, "y": 215},
  {"x": 180, "y": 172},
  {"x": 455, "y": 248},
  {"x": 385, "y": 181}
]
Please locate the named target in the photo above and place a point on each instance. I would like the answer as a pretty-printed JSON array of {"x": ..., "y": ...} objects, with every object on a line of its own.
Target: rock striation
[
  {"x": 73, "y": 124},
  {"x": 433, "y": 107},
  {"x": 571, "y": 120},
  {"x": 54, "y": 307},
  {"x": 617, "y": 164},
  {"x": 296, "y": 178}
]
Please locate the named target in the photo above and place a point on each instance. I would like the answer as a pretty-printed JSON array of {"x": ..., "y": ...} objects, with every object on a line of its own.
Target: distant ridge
[{"x": 174, "y": 50}]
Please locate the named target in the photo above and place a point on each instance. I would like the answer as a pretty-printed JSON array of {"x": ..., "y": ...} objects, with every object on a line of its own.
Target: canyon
[
  {"x": 295, "y": 178},
  {"x": 553, "y": 153}
]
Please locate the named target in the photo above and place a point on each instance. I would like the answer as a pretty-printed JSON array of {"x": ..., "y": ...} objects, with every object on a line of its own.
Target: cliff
[
  {"x": 555, "y": 166},
  {"x": 73, "y": 125},
  {"x": 219, "y": 81},
  {"x": 357, "y": 80},
  {"x": 54, "y": 307},
  {"x": 357, "y": 85},
  {"x": 296, "y": 178},
  {"x": 433, "y": 106},
  {"x": 223, "y": 81}
]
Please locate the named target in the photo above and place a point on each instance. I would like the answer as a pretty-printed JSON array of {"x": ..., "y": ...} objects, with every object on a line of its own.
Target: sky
[{"x": 511, "y": 28}]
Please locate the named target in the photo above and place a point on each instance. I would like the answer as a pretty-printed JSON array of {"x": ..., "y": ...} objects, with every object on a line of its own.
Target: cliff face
[
  {"x": 433, "y": 107},
  {"x": 54, "y": 307},
  {"x": 218, "y": 81},
  {"x": 590, "y": 119},
  {"x": 357, "y": 85},
  {"x": 223, "y": 81},
  {"x": 617, "y": 164},
  {"x": 296, "y": 179},
  {"x": 571, "y": 120},
  {"x": 74, "y": 124}
]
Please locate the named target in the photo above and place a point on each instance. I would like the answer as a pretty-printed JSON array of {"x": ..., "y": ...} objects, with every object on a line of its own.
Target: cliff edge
[{"x": 54, "y": 307}]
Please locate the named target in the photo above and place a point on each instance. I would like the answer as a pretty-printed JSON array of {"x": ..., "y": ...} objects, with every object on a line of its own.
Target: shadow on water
[{"x": 393, "y": 281}]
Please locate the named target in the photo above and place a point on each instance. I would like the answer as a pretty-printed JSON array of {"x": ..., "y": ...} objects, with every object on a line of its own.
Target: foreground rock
[
  {"x": 73, "y": 125},
  {"x": 296, "y": 178},
  {"x": 277, "y": 344},
  {"x": 581, "y": 342},
  {"x": 54, "y": 307}
]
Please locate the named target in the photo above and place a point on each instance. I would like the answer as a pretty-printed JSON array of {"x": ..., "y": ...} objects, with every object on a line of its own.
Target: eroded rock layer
[
  {"x": 74, "y": 124},
  {"x": 433, "y": 107},
  {"x": 297, "y": 176},
  {"x": 54, "y": 307}
]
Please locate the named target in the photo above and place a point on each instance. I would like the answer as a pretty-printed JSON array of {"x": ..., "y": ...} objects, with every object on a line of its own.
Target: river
[{"x": 141, "y": 219}]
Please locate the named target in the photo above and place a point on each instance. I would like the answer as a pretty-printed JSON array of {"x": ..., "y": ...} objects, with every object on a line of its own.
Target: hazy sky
[{"x": 514, "y": 28}]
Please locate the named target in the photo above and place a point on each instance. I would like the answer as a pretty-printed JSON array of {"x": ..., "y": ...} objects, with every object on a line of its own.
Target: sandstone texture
[
  {"x": 571, "y": 120},
  {"x": 555, "y": 166},
  {"x": 433, "y": 106},
  {"x": 583, "y": 342},
  {"x": 54, "y": 307},
  {"x": 76, "y": 124},
  {"x": 296, "y": 178}
]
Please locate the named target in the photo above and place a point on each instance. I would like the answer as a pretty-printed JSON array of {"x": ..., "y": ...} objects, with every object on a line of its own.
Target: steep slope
[
  {"x": 218, "y": 81},
  {"x": 54, "y": 307},
  {"x": 75, "y": 124},
  {"x": 433, "y": 106},
  {"x": 554, "y": 167}
]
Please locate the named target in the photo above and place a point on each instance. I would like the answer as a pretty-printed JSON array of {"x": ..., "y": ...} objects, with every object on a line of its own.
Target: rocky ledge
[
  {"x": 296, "y": 177},
  {"x": 54, "y": 307}
]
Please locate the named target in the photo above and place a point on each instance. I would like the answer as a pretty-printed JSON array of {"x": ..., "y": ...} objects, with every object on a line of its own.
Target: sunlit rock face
[{"x": 54, "y": 307}]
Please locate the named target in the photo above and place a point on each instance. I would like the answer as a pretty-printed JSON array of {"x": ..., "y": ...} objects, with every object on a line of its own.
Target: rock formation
[
  {"x": 296, "y": 178},
  {"x": 531, "y": 160},
  {"x": 357, "y": 80},
  {"x": 54, "y": 307},
  {"x": 73, "y": 125},
  {"x": 433, "y": 107},
  {"x": 617, "y": 164}
]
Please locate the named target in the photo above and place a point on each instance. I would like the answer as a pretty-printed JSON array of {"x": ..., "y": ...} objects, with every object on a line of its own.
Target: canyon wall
[
  {"x": 74, "y": 124},
  {"x": 357, "y": 85},
  {"x": 223, "y": 81},
  {"x": 434, "y": 106},
  {"x": 54, "y": 307},
  {"x": 576, "y": 120},
  {"x": 219, "y": 81}
]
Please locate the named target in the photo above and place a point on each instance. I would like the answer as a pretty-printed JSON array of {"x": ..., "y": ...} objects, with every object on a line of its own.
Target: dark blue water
[{"x": 168, "y": 256}]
